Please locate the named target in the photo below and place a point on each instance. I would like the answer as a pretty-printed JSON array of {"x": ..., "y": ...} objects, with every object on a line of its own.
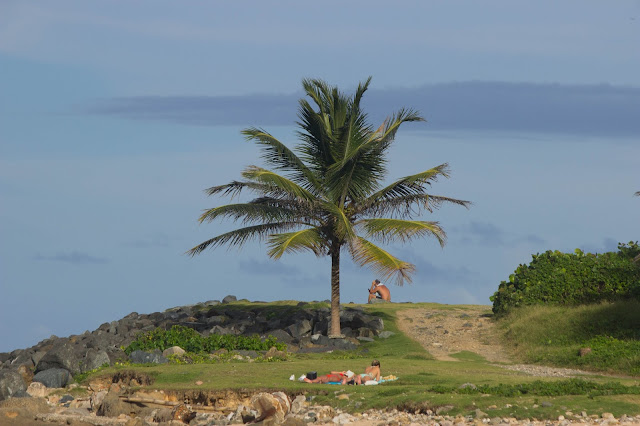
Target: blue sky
[{"x": 115, "y": 116}]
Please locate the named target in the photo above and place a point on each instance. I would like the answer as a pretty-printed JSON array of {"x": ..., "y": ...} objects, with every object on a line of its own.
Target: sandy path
[{"x": 445, "y": 332}]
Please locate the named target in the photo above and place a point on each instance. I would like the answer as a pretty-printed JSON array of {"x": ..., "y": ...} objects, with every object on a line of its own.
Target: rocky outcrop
[
  {"x": 301, "y": 327},
  {"x": 11, "y": 384}
]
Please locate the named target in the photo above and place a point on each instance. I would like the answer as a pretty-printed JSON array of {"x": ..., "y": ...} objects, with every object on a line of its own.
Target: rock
[
  {"x": 26, "y": 373},
  {"x": 96, "y": 399},
  {"x": 112, "y": 406},
  {"x": 38, "y": 390},
  {"x": 272, "y": 407},
  {"x": 182, "y": 413},
  {"x": 94, "y": 359},
  {"x": 386, "y": 334},
  {"x": 468, "y": 386},
  {"x": 11, "y": 384},
  {"x": 319, "y": 339},
  {"x": 299, "y": 329},
  {"x": 53, "y": 377},
  {"x": 343, "y": 418},
  {"x": 546, "y": 404},
  {"x": 173, "y": 350},
  {"x": 481, "y": 414},
  {"x": 365, "y": 332},
  {"x": 274, "y": 353},
  {"x": 229, "y": 299},
  {"x": 342, "y": 344},
  {"x": 141, "y": 357},
  {"x": 217, "y": 320},
  {"x": 298, "y": 404},
  {"x": 221, "y": 330},
  {"x": 61, "y": 355}
]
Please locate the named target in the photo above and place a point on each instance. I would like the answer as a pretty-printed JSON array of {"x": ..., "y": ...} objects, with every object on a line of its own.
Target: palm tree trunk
[{"x": 334, "y": 331}]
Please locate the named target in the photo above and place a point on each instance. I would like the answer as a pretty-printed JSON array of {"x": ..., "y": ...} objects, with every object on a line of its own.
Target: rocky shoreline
[
  {"x": 55, "y": 361},
  {"x": 115, "y": 407}
]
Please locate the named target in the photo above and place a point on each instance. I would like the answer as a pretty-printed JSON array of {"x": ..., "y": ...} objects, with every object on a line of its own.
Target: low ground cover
[{"x": 608, "y": 333}]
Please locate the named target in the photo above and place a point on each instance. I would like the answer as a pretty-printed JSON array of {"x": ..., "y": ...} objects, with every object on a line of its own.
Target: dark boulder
[
  {"x": 11, "y": 384},
  {"x": 229, "y": 299},
  {"x": 53, "y": 377},
  {"x": 221, "y": 330},
  {"x": 300, "y": 329},
  {"x": 342, "y": 344},
  {"x": 281, "y": 336},
  {"x": 320, "y": 339},
  {"x": 94, "y": 359},
  {"x": 62, "y": 355},
  {"x": 244, "y": 353},
  {"x": 217, "y": 320},
  {"x": 24, "y": 358},
  {"x": 141, "y": 357}
]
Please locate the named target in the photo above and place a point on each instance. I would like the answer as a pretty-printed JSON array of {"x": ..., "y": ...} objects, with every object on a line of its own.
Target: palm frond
[
  {"x": 279, "y": 155},
  {"x": 384, "y": 265},
  {"x": 410, "y": 191},
  {"x": 249, "y": 213},
  {"x": 390, "y": 230},
  {"x": 304, "y": 240},
  {"x": 235, "y": 187},
  {"x": 394, "y": 122},
  {"x": 407, "y": 205},
  {"x": 268, "y": 177},
  {"x": 239, "y": 236}
]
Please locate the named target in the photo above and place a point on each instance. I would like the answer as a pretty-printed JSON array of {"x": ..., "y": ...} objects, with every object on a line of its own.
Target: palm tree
[{"x": 326, "y": 196}]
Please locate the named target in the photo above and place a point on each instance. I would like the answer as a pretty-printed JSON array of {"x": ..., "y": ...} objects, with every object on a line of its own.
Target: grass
[
  {"x": 554, "y": 335},
  {"x": 424, "y": 383}
]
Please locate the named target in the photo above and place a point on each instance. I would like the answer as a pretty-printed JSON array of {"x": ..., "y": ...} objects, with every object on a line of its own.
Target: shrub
[
  {"x": 571, "y": 279},
  {"x": 191, "y": 341}
]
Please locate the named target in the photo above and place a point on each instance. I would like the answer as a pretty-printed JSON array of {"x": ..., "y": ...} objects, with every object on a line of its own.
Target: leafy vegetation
[
  {"x": 554, "y": 335},
  {"x": 571, "y": 279},
  {"x": 327, "y": 194},
  {"x": 191, "y": 341}
]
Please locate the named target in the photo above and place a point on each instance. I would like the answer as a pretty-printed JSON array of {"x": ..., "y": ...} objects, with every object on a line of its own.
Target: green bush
[
  {"x": 191, "y": 341},
  {"x": 571, "y": 279}
]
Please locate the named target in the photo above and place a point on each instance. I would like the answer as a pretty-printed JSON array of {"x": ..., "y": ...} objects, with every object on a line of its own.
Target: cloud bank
[
  {"x": 598, "y": 110},
  {"x": 74, "y": 257}
]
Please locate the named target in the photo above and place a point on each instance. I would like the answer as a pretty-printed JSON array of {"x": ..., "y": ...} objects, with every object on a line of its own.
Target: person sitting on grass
[
  {"x": 341, "y": 377},
  {"x": 370, "y": 373},
  {"x": 379, "y": 291}
]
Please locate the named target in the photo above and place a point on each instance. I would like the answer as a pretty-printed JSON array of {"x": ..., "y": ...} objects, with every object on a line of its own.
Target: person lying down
[
  {"x": 341, "y": 377},
  {"x": 371, "y": 373}
]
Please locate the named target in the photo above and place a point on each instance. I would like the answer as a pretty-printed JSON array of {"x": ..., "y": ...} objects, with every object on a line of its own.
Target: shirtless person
[
  {"x": 335, "y": 376},
  {"x": 379, "y": 291},
  {"x": 370, "y": 373}
]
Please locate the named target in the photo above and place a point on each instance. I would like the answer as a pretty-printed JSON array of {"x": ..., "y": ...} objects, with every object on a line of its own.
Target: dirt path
[{"x": 445, "y": 332}]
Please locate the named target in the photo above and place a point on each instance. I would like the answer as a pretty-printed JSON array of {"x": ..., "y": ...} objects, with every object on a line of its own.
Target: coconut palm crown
[{"x": 327, "y": 195}]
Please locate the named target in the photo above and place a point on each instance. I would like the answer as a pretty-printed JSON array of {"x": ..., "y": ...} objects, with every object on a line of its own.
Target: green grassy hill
[{"x": 536, "y": 335}]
